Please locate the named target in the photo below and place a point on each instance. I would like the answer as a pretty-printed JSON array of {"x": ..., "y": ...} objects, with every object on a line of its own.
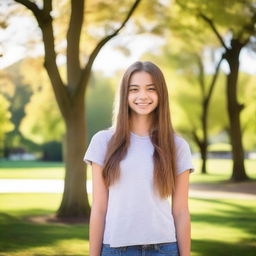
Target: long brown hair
[{"x": 161, "y": 133}]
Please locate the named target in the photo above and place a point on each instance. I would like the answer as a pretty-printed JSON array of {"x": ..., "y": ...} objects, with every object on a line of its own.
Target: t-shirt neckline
[{"x": 139, "y": 136}]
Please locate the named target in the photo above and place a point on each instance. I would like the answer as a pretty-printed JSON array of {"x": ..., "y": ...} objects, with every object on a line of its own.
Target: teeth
[{"x": 142, "y": 104}]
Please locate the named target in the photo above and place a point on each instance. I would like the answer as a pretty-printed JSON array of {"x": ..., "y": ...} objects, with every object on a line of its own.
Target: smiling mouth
[{"x": 143, "y": 104}]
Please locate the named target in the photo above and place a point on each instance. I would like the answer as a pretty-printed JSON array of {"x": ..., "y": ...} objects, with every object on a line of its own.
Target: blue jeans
[{"x": 163, "y": 249}]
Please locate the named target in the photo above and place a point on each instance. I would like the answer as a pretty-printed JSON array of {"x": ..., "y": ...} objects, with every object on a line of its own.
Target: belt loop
[
  {"x": 156, "y": 246},
  {"x": 124, "y": 248}
]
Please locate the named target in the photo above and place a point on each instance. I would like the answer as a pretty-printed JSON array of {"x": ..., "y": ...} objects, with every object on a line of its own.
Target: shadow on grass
[
  {"x": 241, "y": 217},
  {"x": 18, "y": 234}
]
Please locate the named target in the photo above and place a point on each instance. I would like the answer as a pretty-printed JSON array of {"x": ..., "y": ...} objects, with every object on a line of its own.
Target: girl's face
[{"x": 142, "y": 96}]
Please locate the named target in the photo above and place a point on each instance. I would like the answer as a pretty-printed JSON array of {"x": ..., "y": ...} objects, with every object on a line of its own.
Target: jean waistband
[{"x": 144, "y": 246}]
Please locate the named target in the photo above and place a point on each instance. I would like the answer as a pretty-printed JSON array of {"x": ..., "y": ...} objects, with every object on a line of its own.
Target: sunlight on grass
[
  {"x": 31, "y": 170},
  {"x": 223, "y": 227},
  {"x": 219, "y": 170},
  {"x": 71, "y": 247},
  {"x": 35, "y": 173},
  {"x": 20, "y": 202}
]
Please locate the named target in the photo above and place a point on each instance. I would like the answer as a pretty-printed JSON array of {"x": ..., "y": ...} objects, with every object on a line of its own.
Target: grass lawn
[
  {"x": 31, "y": 170},
  {"x": 219, "y": 227},
  {"x": 218, "y": 170},
  {"x": 20, "y": 237},
  {"x": 223, "y": 227}
]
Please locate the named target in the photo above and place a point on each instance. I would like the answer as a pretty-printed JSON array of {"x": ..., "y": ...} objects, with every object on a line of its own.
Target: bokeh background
[{"x": 61, "y": 63}]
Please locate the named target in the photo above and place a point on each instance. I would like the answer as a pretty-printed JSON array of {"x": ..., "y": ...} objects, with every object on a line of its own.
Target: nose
[{"x": 143, "y": 94}]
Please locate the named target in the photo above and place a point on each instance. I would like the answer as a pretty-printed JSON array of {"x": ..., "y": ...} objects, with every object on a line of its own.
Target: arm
[
  {"x": 98, "y": 210},
  {"x": 180, "y": 213}
]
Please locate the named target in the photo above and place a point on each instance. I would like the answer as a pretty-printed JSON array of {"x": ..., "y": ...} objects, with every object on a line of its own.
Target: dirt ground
[{"x": 243, "y": 190}]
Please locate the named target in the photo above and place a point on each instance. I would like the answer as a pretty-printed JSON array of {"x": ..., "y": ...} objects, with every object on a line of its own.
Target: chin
[{"x": 143, "y": 113}]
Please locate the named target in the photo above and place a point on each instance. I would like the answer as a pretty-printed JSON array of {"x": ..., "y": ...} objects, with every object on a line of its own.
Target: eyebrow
[{"x": 139, "y": 85}]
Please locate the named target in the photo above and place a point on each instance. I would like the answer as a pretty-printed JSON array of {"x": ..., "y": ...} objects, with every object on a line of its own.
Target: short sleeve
[
  {"x": 96, "y": 149},
  {"x": 183, "y": 156}
]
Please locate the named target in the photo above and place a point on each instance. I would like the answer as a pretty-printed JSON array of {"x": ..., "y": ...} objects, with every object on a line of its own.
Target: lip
[{"x": 143, "y": 104}]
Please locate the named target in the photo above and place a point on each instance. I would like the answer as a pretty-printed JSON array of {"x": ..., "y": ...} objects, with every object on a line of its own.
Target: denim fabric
[{"x": 163, "y": 249}]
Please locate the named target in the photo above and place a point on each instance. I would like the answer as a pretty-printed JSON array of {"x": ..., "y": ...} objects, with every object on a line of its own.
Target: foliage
[
  {"x": 42, "y": 122},
  {"x": 5, "y": 116},
  {"x": 247, "y": 96},
  {"x": 18, "y": 92},
  {"x": 99, "y": 103},
  {"x": 233, "y": 16}
]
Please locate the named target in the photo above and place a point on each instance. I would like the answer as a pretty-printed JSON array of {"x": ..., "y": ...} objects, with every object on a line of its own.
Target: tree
[
  {"x": 70, "y": 95},
  {"x": 18, "y": 93},
  {"x": 239, "y": 39},
  {"x": 233, "y": 24},
  {"x": 192, "y": 64}
]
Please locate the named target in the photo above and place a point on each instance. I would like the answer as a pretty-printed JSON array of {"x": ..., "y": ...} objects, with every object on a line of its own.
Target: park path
[{"x": 242, "y": 190}]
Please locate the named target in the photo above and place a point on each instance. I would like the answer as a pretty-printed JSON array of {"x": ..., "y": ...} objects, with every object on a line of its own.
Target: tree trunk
[
  {"x": 203, "y": 151},
  {"x": 204, "y": 142},
  {"x": 75, "y": 200},
  {"x": 234, "y": 109}
]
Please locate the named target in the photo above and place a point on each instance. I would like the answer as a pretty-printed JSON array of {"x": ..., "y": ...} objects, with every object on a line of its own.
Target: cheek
[
  {"x": 130, "y": 99},
  {"x": 156, "y": 98}
]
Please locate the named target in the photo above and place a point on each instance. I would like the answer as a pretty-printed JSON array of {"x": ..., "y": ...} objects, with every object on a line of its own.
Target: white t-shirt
[{"x": 135, "y": 214}]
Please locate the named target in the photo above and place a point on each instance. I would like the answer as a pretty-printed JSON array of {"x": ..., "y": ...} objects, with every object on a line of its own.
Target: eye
[
  {"x": 133, "y": 90},
  {"x": 152, "y": 88}
]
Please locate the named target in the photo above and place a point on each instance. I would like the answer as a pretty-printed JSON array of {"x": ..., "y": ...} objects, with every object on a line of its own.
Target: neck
[{"x": 141, "y": 125}]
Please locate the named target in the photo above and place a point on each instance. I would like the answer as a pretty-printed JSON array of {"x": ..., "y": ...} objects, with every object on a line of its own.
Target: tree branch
[
  {"x": 32, "y": 7},
  {"x": 196, "y": 138},
  {"x": 47, "y": 6},
  {"x": 44, "y": 20},
  {"x": 73, "y": 41},
  {"x": 213, "y": 27},
  {"x": 201, "y": 75},
  {"x": 86, "y": 71},
  {"x": 217, "y": 68}
]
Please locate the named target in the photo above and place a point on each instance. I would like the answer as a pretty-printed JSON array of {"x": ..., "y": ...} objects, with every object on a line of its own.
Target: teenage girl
[{"x": 140, "y": 174}]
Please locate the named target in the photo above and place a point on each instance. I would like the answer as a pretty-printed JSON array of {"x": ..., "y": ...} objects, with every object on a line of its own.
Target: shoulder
[
  {"x": 97, "y": 147},
  {"x": 181, "y": 145},
  {"x": 183, "y": 155},
  {"x": 180, "y": 142},
  {"x": 103, "y": 135}
]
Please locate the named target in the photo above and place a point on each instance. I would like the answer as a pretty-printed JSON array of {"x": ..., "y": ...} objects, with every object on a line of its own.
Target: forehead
[{"x": 141, "y": 78}]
